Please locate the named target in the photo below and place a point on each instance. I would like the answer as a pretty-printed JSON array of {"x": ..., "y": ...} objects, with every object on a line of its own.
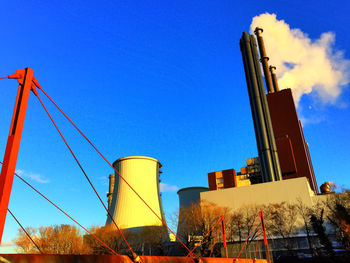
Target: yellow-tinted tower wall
[{"x": 128, "y": 211}]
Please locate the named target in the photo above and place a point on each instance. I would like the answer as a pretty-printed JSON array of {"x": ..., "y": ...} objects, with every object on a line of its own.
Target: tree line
[{"x": 322, "y": 224}]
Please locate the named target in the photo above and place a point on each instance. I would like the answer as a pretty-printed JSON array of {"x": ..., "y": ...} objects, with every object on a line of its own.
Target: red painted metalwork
[
  {"x": 75, "y": 158},
  {"x": 24, "y": 77},
  {"x": 42, "y": 258},
  {"x": 26, "y": 80},
  {"x": 37, "y": 258},
  {"x": 200, "y": 242},
  {"x": 245, "y": 242},
  {"x": 286, "y": 124},
  {"x": 229, "y": 177},
  {"x": 224, "y": 234},
  {"x": 27, "y": 234},
  {"x": 212, "y": 181},
  {"x": 222, "y": 221},
  {"x": 105, "y": 159},
  {"x": 212, "y": 248},
  {"x": 257, "y": 242},
  {"x": 71, "y": 218},
  {"x": 286, "y": 156},
  {"x": 262, "y": 223}
]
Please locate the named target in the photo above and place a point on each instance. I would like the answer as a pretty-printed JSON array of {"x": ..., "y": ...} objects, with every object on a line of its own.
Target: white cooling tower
[{"x": 128, "y": 211}]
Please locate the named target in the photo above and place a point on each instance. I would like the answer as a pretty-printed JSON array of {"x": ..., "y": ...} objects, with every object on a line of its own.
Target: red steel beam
[
  {"x": 24, "y": 77},
  {"x": 224, "y": 235},
  {"x": 262, "y": 223}
]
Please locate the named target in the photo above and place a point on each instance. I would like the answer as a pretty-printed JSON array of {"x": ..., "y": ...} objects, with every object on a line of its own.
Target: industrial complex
[{"x": 282, "y": 172}]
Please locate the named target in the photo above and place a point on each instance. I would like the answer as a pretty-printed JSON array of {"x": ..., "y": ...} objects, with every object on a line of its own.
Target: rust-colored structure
[
  {"x": 293, "y": 151},
  {"x": 25, "y": 79},
  {"x": 39, "y": 258},
  {"x": 226, "y": 179},
  {"x": 221, "y": 179}
]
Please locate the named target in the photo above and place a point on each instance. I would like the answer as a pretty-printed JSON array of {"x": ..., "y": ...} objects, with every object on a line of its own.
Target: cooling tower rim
[
  {"x": 193, "y": 188},
  {"x": 137, "y": 157}
]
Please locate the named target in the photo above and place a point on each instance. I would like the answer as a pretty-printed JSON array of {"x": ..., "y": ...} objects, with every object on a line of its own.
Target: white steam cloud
[
  {"x": 168, "y": 188},
  {"x": 304, "y": 65},
  {"x": 33, "y": 176}
]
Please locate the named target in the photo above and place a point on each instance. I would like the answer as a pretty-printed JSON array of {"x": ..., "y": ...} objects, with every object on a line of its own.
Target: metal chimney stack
[
  {"x": 261, "y": 116},
  {"x": 264, "y": 59},
  {"x": 274, "y": 78}
]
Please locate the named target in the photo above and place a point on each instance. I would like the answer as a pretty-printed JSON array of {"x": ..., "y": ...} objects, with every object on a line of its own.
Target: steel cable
[
  {"x": 104, "y": 158},
  {"x": 82, "y": 169},
  {"x": 71, "y": 218}
]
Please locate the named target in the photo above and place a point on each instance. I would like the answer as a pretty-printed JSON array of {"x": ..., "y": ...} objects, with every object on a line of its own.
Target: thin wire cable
[
  {"x": 251, "y": 230},
  {"x": 257, "y": 242},
  {"x": 104, "y": 158},
  {"x": 87, "y": 178},
  {"x": 204, "y": 236},
  {"x": 24, "y": 230},
  {"x": 19, "y": 177}
]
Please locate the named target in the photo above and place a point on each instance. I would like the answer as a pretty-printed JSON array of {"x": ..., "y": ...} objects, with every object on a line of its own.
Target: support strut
[{"x": 25, "y": 78}]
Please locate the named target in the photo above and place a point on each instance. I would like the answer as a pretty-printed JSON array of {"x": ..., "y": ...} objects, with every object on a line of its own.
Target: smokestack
[
  {"x": 274, "y": 78},
  {"x": 261, "y": 116},
  {"x": 264, "y": 59},
  {"x": 111, "y": 189}
]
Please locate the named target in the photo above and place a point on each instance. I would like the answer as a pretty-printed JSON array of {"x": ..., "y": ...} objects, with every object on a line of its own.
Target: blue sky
[{"x": 162, "y": 79}]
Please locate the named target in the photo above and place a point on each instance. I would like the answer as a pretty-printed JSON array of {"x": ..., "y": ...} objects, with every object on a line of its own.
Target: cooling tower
[
  {"x": 187, "y": 196},
  {"x": 128, "y": 211}
]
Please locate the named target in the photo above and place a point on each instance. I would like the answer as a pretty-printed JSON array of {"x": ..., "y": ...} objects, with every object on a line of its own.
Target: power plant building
[
  {"x": 293, "y": 151},
  {"x": 283, "y": 172},
  {"x": 126, "y": 208}
]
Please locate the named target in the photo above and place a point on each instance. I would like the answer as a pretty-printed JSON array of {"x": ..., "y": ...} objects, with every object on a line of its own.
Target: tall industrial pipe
[
  {"x": 261, "y": 116},
  {"x": 266, "y": 112},
  {"x": 274, "y": 78},
  {"x": 264, "y": 59}
]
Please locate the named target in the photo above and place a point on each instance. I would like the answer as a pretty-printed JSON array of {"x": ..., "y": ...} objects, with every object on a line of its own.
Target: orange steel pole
[
  {"x": 25, "y": 78},
  {"x": 224, "y": 235},
  {"x": 265, "y": 238}
]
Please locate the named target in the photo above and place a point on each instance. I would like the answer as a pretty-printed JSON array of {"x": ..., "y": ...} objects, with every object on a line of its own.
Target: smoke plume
[{"x": 304, "y": 65}]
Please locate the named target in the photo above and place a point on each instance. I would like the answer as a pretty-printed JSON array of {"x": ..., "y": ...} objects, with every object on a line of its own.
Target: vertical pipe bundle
[{"x": 261, "y": 116}]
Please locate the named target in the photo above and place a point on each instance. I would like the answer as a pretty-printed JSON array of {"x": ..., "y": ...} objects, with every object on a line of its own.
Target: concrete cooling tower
[
  {"x": 187, "y": 196},
  {"x": 127, "y": 209}
]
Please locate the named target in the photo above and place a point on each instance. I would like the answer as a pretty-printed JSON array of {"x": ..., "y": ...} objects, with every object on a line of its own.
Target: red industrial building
[{"x": 293, "y": 151}]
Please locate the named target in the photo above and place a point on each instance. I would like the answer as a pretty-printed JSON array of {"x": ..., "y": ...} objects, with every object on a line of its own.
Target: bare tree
[
  {"x": 62, "y": 239},
  {"x": 281, "y": 221},
  {"x": 196, "y": 221},
  {"x": 305, "y": 213},
  {"x": 24, "y": 244},
  {"x": 111, "y": 237},
  {"x": 338, "y": 214}
]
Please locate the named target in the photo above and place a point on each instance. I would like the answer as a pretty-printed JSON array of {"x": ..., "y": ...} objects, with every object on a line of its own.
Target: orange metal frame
[
  {"x": 25, "y": 79},
  {"x": 27, "y": 83}
]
